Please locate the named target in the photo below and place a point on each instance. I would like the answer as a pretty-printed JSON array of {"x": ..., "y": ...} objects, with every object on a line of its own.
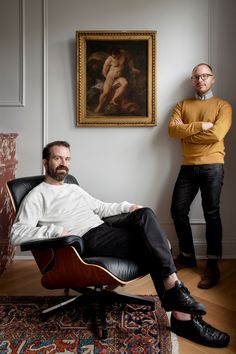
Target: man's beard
[{"x": 58, "y": 176}]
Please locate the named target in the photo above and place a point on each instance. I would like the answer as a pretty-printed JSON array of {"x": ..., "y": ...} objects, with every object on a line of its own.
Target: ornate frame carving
[{"x": 129, "y": 97}]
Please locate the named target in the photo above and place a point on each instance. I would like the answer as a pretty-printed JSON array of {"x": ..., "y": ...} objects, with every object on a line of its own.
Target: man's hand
[
  {"x": 207, "y": 125},
  {"x": 135, "y": 207},
  {"x": 178, "y": 121}
]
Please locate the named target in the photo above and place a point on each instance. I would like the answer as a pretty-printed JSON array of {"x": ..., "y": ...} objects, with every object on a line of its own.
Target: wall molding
[
  {"x": 198, "y": 229},
  {"x": 229, "y": 248},
  {"x": 200, "y": 221},
  {"x": 21, "y": 97},
  {"x": 210, "y": 19},
  {"x": 45, "y": 72},
  {"x": 197, "y": 222}
]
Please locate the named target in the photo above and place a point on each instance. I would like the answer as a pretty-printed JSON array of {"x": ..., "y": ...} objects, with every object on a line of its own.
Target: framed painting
[{"x": 115, "y": 78}]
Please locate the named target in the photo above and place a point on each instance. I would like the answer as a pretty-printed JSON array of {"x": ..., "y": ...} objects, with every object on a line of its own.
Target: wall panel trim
[
  {"x": 21, "y": 97},
  {"x": 45, "y": 72}
]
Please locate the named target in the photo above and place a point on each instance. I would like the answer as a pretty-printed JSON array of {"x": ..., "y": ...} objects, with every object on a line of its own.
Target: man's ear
[{"x": 45, "y": 162}]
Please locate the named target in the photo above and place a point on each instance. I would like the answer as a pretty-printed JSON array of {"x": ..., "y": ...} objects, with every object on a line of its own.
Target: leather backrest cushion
[{"x": 20, "y": 187}]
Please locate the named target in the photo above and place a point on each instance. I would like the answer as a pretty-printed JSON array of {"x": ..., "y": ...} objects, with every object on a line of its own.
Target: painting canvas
[{"x": 115, "y": 78}]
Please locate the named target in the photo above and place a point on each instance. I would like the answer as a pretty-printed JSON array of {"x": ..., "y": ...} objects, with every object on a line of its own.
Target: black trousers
[
  {"x": 136, "y": 236},
  {"x": 209, "y": 179}
]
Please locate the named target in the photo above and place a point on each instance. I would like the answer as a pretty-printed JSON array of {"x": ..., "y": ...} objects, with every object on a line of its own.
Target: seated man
[{"x": 55, "y": 208}]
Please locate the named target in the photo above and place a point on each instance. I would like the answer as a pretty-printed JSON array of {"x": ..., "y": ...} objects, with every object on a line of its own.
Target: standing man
[{"x": 201, "y": 124}]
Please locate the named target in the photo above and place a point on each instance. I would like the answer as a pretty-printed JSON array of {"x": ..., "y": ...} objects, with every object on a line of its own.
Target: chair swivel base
[{"x": 101, "y": 296}]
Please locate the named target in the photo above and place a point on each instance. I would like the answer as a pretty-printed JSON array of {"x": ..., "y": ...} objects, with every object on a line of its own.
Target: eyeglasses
[{"x": 204, "y": 77}]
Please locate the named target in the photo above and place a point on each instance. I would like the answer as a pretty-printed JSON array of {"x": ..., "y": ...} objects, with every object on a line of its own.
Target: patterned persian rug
[{"x": 133, "y": 329}]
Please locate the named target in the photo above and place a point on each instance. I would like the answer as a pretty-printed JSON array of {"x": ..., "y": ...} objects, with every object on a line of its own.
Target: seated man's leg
[
  {"x": 106, "y": 241},
  {"x": 119, "y": 242},
  {"x": 142, "y": 224},
  {"x": 147, "y": 233}
]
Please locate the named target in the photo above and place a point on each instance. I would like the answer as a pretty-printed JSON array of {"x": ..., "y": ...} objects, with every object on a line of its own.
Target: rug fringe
[{"x": 174, "y": 339}]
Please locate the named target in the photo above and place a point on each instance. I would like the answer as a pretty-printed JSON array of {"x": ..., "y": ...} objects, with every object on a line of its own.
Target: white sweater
[{"x": 49, "y": 209}]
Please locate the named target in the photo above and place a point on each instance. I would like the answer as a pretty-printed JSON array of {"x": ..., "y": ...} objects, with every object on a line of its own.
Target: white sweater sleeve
[
  {"x": 104, "y": 209},
  {"x": 25, "y": 225},
  {"x": 47, "y": 211}
]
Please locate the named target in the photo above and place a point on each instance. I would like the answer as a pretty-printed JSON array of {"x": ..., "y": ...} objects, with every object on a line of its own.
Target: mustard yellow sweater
[{"x": 201, "y": 146}]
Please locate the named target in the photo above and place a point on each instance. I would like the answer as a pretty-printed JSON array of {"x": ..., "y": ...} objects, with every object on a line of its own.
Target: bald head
[{"x": 202, "y": 78}]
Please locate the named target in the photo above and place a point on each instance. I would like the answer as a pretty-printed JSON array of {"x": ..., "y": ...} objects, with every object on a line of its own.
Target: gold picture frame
[{"x": 115, "y": 78}]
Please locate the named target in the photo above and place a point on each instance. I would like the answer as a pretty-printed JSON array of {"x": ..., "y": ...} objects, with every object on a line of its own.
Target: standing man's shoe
[
  {"x": 210, "y": 277},
  {"x": 178, "y": 298},
  {"x": 182, "y": 261},
  {"x": 199, "y": 332}
]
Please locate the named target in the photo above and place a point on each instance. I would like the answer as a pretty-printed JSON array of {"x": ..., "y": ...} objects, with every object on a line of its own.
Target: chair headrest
[{"x": 20, "y": 187}]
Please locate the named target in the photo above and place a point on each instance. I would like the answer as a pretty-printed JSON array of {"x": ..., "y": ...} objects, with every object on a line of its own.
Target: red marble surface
[{"x": 8, "y": 164}]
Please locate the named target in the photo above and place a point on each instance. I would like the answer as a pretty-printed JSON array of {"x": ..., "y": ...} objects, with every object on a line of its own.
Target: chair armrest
[{"x": 57, "y": 242}]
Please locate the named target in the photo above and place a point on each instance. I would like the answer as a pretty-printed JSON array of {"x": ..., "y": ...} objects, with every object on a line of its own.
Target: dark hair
[
  {"x": 203, "y": 64},
  {"x": 47, "y": 148},
  {"x": 115, "y": 50}
]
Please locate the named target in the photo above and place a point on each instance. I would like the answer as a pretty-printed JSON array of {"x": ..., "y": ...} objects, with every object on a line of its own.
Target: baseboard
[
  {"x": 198, "y": 230},
  {"x": 229, "y": 249},
  {"x": 23, "y": 258}
]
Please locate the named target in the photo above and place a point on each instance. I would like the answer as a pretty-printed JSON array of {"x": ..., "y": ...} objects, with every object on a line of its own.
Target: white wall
[{"x": 136, "y": 164}]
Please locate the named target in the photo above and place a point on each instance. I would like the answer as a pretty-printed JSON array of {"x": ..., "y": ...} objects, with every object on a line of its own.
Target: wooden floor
[{"x": 23, "y": 278}]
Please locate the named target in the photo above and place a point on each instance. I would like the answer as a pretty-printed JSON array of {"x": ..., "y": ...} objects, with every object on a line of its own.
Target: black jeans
[
  {"x": 137, "y": 236},
  {"x": 209, "y": 179}
]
